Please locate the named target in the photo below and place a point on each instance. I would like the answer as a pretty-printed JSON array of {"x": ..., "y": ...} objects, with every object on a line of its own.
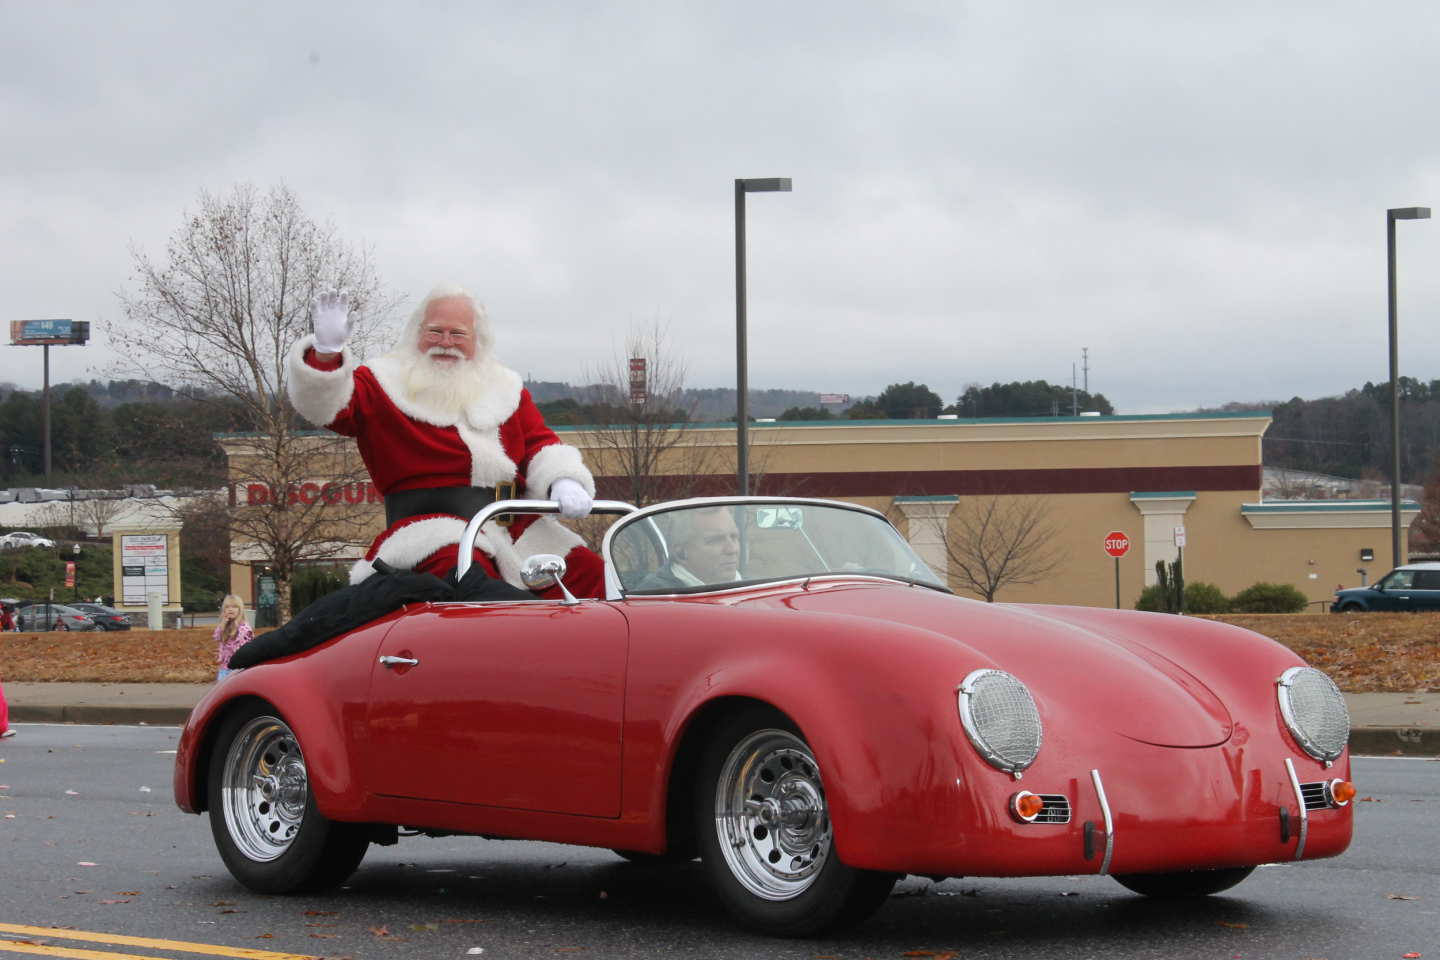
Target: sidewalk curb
[
  {"x": 1394, "y": 741},
  {"x": 100, "y": 714}
]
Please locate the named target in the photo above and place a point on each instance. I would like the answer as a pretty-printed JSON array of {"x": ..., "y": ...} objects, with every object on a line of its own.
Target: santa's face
[{"x": 447, "y": 336}]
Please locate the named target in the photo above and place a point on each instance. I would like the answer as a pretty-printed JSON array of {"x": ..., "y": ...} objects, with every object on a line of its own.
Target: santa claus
[{"x": 445, "y": 429}]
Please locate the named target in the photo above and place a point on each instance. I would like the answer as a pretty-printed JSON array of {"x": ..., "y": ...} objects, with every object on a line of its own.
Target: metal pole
[
  {"x": 742, "y": 458},
  {"x": 1180, "y": 575},
  {"x": 1394, "y": 394},
  {"x": 1117, "y": 583},
  {"x": 45, "y": 412}
]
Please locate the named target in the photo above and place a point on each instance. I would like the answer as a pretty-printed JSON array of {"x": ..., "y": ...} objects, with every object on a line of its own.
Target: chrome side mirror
[{"x": 545, "y": 570}]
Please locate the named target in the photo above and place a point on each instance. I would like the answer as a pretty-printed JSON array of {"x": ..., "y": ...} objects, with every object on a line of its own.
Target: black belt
[{"x": 458, "y": 501}]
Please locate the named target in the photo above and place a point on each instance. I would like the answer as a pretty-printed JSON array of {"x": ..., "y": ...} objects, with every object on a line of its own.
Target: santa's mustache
[{"x": 445, "y": 352}]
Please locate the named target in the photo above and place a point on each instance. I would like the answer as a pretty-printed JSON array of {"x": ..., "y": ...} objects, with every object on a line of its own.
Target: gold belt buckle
[{"x": 505, "y": 490}]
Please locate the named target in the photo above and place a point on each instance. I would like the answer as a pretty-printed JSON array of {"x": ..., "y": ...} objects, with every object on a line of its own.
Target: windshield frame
[{"x": 614, "y": 590}]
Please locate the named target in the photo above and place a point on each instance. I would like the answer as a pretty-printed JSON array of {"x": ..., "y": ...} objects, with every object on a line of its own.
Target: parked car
[
  {"x": 53, "y": 616},
  {"x": 1411, "y": 586},
  {"x": 784, "y": 689},
  {"x": 23, "y": 538},
  {"x": 106, "y": 618}
]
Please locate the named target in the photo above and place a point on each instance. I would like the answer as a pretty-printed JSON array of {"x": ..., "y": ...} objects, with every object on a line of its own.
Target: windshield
[{"x": 702, "y": 545}]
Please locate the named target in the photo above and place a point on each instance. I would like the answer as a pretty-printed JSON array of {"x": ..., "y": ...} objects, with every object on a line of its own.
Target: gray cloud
[{"x": 981, "y": 190}]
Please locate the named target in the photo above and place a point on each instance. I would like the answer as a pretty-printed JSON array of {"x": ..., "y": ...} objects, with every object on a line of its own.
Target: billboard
[
  {"x": 637, "y": 380},
  {"x": 25, "y": 333}
]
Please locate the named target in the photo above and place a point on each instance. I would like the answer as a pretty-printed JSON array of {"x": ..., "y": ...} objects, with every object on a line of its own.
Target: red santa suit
[{"x": 500, "y": 437}]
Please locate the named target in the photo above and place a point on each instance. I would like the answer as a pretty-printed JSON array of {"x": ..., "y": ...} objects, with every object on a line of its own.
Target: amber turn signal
[
  {"x": 1341, "y": 792},
  {"x": 1025, "y": 806}
]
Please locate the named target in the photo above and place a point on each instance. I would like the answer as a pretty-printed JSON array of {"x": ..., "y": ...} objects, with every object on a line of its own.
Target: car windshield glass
[
  {"x": 1399, "y": 580},
  {"x": 703, "y": 545}
]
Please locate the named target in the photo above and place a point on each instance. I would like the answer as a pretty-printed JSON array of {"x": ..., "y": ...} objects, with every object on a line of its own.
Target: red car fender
[
  {"x": 317, "y": 694},
  {"x": 885, "y": 743}
]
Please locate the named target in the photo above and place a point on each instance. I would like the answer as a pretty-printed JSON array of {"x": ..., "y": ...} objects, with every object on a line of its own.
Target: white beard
[{"x": 447, "y": 388}]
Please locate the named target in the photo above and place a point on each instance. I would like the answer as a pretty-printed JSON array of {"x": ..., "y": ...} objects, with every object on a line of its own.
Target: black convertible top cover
[{"x": 356, "y": 605}]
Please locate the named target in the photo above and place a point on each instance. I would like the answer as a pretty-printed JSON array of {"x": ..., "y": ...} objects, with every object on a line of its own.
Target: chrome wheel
[
  {"x": 770, "y": 815},
  {"x": 264, "y": 789}
]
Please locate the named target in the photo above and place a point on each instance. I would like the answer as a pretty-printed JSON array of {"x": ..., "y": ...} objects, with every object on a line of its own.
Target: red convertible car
[{"x": 782, "y": 688}]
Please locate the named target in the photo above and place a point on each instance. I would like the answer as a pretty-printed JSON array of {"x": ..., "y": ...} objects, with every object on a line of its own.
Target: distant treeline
[
  {"x": 1349, "y": 435},
  {"x": 563, "y": 403},
  {"x": 105, "y": 434}
]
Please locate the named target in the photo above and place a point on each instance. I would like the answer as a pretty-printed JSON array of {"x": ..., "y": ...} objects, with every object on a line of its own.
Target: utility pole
[{"x": 1085, "y": 360}]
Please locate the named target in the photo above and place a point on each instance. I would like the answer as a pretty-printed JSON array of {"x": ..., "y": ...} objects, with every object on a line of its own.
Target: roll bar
[{"x": 472, "y": 529}]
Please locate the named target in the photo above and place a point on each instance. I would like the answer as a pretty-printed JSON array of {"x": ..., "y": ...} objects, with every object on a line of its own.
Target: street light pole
[
  {"x": 1391, "y": 215},
  {"x": 742, "y": 386}
]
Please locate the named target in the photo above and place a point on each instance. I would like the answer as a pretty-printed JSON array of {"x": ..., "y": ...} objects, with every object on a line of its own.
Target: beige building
[{"x": 1082, "y": 478}]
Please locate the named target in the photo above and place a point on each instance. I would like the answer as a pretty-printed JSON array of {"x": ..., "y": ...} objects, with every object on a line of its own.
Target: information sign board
[{"x": 144, "y": 567}]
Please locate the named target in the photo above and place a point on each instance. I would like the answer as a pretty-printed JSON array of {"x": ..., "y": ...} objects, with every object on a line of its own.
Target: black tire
[
  {"x": 1352, "y": 608},
  {"x": 263, "y": 816},
  {"x": 1188, "y": 883},
  {"x": 787, "y": 881}
]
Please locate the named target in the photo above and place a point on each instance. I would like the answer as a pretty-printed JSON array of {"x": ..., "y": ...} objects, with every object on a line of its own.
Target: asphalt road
[{"x": 91, "y": 840}]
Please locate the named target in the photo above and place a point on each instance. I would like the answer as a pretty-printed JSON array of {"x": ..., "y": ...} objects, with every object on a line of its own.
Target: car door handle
[{"x": 390, "y": 661}]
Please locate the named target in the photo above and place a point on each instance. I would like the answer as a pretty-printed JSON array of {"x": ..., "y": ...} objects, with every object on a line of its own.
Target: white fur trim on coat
[
  {"x": 410, "y": 541},
  {"x": 319, "y": 395},
  {"x": 489, "y": 464},
  {"x": 550, "y": 464},
  {"x": 545, "y": 535}
]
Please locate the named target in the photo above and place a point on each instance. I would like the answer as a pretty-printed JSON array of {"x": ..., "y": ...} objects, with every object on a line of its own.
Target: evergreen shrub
[{"x": 1268, "y": 598}]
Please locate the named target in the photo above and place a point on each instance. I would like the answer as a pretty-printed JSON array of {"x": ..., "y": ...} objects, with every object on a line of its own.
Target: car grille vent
[
  {"x": 1317, "y": 795},
  {"x": 1057, "y": 809}
]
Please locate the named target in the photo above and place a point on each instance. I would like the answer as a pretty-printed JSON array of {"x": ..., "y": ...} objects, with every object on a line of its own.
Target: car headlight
[
  {"x": 1001, "y": 720},
  {"x": 1314, "y": 712}
]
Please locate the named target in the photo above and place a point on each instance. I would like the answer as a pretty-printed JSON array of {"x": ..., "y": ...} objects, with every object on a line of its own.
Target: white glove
[
  {"x": 331, "y": 316},
  {"x": 574, "y": 501}
]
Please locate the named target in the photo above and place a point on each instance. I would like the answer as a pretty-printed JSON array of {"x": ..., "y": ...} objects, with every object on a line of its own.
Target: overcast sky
[{"x": 1195, "y": 192}]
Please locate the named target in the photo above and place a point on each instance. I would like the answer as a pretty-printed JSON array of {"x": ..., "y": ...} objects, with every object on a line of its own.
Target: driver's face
[{"x": 713, "y": 551}]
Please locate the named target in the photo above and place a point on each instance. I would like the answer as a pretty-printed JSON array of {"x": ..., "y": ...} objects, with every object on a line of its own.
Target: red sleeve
[
  {"x": 533, "y": 432},
  {"x": 313, "y": 359}
]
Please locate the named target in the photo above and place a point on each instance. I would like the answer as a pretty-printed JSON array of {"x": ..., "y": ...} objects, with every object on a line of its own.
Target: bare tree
[
  {"x": 1288, "y": 484},
  {"x": 642, "y": 437},
  {"x": 1425, "y": 532},
  {"x": 218, "y": 313},
  {"x": 992, "y": 542},
  {"x": 97, "y": 512}
]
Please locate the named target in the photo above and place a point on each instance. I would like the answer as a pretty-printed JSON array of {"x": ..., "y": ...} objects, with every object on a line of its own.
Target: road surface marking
[{"x": 118, "y": 939}]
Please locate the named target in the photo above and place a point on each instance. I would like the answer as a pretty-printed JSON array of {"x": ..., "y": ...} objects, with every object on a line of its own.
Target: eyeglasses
[{"x": 433, "y": 335}]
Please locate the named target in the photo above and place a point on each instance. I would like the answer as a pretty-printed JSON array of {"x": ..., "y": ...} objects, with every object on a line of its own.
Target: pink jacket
[{"x": 226, "y": 649}]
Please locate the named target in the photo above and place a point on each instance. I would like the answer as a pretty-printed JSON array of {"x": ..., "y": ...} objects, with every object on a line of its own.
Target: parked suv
[{"x": 1413, "y": 586}]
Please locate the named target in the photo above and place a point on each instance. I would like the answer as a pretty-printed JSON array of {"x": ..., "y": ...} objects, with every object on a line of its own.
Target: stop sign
[{"x": 1116, "y": 543}]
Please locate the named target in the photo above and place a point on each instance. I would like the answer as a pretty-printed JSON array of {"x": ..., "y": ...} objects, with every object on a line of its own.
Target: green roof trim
[
  {"x": 1162, "y": 495},
  {"x": 711, "y": 424},
  {"x": 930, "y": 498},
  {"x": 1325, "y": 506},
  {"x": 840, "y": 421}
]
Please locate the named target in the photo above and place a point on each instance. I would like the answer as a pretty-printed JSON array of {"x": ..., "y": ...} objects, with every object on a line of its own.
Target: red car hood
[{"x": 1130, "y": 688}]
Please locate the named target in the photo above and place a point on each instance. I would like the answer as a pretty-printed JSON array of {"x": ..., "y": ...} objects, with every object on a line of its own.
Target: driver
[
  {"x": 704, "y": 549},
  {"x": 444, "y": 430}
]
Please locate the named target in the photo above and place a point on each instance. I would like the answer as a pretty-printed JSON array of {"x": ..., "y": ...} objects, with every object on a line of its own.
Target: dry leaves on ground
[{"x": 1364, "y": 652}]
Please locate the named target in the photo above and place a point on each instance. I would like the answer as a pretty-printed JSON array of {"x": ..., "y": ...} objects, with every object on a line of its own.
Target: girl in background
[
  {"x": 231, "y": 633},
  {"x": 7, "y": 624},
  {"x": 5, "y": 730}
]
